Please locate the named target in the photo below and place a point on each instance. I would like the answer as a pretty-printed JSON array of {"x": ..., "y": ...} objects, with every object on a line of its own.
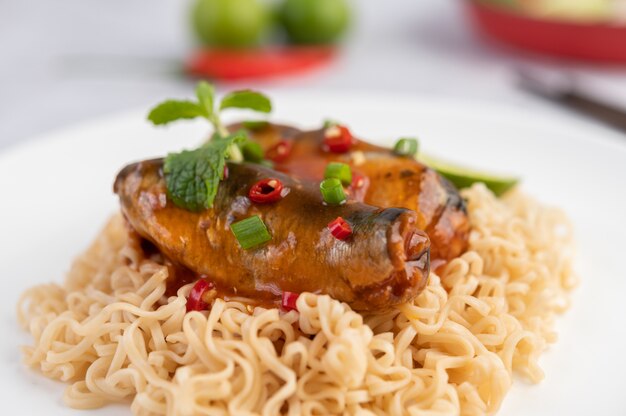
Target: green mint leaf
[
  {"x": 247, "y": 99},
  {"x": 172, "y": 110},
  {"x": 223, "y": 145},
  {"x": 192, "y": 176},
  {"x": 190, "y": 179},
  {"x": 206, "y": 94}
]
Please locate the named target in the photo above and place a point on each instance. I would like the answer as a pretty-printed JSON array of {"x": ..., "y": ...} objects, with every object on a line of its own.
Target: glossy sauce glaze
[
  {"x": 385, "y": 262},
  {"x": 179, "y": 275},
  {"x": 388, "y": 181}
]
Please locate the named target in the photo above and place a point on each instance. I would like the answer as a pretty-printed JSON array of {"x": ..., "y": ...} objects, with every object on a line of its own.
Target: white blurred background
[{"x": 65, "y": 61}]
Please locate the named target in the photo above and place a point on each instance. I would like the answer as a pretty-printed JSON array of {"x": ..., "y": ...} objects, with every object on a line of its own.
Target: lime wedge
[{"x": 464, "y": 177}]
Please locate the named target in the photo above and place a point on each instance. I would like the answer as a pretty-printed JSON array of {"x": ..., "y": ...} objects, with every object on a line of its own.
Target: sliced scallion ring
[
  {"x": 329, "y": 123},
  {"x": 332, "y": 191},
  {"x": 250, "y": 232},
  {"x": 339, "y": 171},
  {"x": 406, "y": 147}
]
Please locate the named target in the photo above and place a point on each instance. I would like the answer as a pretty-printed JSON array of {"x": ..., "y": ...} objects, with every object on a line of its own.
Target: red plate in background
[
  {"x": 594, "y": 42},
  {"x": 233, "y": 64}
]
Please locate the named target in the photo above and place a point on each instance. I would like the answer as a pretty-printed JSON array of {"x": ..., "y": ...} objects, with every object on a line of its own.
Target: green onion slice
[
  {"x": 332, "y": 191},
  {"x": 406, "y": 147},
  {"x": 339, "y": 171},
  {"x": 252, "y": 152},
  {"x": 250, "y": 232},
  {"x": 329, "y": 123}
]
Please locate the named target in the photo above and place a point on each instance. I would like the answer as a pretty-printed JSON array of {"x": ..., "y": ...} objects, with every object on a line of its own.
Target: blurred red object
[
  {"x": 594, "y": 42},
  {"x": 235, "y": 64}
]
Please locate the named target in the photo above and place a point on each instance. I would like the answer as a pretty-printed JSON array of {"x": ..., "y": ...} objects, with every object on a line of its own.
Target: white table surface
[{"x": 64, "y": 61}]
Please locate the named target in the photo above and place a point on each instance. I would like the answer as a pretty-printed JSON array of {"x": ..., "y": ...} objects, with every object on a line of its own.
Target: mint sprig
[
  {"x": 192, "y": 176},
  {"x": 173, "y": 110},
  {"x": 247, "y": 99},
  {"x": 206, "y": 95}
]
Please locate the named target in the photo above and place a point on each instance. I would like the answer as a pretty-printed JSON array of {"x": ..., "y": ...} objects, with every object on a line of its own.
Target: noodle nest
[{"x": 111, "y": 332}]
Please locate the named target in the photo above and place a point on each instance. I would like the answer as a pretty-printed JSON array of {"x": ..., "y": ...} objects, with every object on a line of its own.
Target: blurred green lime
[
  {"x": 230, "y": 23},
  {"x": 314, "y": 21}
]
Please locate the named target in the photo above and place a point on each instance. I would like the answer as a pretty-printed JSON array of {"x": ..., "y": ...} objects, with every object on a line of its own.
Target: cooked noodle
[{"x": 112, "y": 334}]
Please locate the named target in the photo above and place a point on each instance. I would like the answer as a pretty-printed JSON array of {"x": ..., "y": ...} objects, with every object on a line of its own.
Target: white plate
[{"x": 56, "y": 194}]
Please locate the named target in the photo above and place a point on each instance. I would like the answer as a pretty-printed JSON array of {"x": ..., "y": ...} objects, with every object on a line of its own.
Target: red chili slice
[
  {"x": 280, "y": 151},
  {"x": 340, "y": 229},
  {"x": 289, "y": 300},
  {"x": 337, "y": 139},
  {"x": 194, "y": 301},
  {"x": 266, "y": 191},
  {"x": 225, "y": 172}
]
